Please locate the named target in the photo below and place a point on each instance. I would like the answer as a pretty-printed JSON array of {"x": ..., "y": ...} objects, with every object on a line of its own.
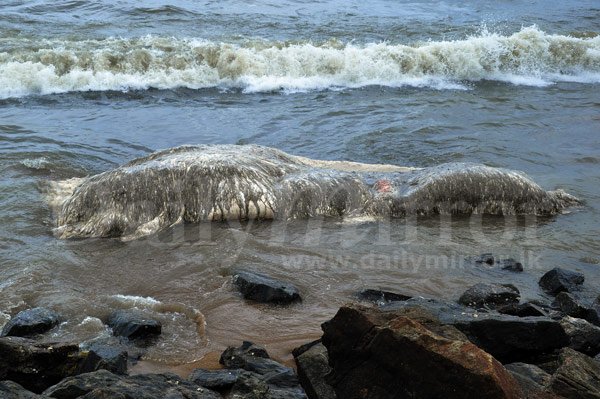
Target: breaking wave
[{"x": 528, "y": 57}]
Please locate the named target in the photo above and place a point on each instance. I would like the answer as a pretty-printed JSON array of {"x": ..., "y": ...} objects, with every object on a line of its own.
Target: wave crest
[{"x": 529, "y": 56}]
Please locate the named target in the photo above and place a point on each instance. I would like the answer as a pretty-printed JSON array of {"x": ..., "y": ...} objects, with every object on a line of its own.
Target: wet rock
[
  {"x": 486, "y": 258},
  {"x": 593, "y": 315},
  {"x": 530, "y": 377},
  {"x": 511, "y": 265},
  {"x": 249, "y": 386},
  {"x": 217, "y": 380},
  {"x": 103, "y": 385},
  {"x": 570, "y": 305},
  {"x": 108, "y": 354},
  {"x": 12, "y": 390},
  {"x": 303, "y": 348},
  {"x": 523, "y": 310},
  {"x": 491, "y": 295},
  {"x": 578, "y": 376},
  {"x": 237, "y": 358},
  {"x": 380, "y": 296},
  {"x": 559, "y": 280},
  {"x": 508, "y": 338},
  {"x": 30, "y": 322},
  {"x": 263, "y": 289},
  {"x": 34, "y": 365},
  {"x": 313, "y": 366},
  {"x": 377, "y": 354},
  {"x": 583, "y": 336},
  {"x": 133, "y": 324}
]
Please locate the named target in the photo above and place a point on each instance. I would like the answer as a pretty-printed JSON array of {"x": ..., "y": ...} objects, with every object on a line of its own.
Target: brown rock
[
  {"x": 578, "y": 376},
  {"x": 381, "y": 355}
]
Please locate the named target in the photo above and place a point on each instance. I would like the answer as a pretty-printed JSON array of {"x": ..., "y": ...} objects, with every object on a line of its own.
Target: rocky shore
[{"x": 385, "y": 344}]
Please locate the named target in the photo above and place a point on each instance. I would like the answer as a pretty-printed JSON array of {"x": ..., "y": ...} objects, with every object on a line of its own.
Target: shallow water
[{"x": 85, "y": 87}]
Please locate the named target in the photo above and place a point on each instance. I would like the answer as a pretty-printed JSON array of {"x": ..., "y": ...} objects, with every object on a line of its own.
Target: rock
[
  {"x": 508, "y": 338},
  {"x": 313, "y": 366},
  {"x": 133, "y": 324},
  {"x": 570, "y": 305},
  {"x": 262, "y": 289},
  {"x": 12, "y": 390},
  {"x": 578, "y": 376},
  {"x": 486, "y": 258},
  {"x": 217, "y": 380},
  {"x": 112, "y": 354},
  {"x": 491, "y": 295},
  {"x": 379, "y": 355},
  {"x": 593, "y": 315},
  {"x": 559, "y": 280},
  {"x": 512, "y": 265},
  {"x": 237, "y": 358},
  {"x": 530, "y": 377},
  {"x": 103, "y": 385},
  {"x": 250, "y": 386},
  {"x": 379, "y": 296},
  {"x": 30, "y": 322},
  {"x": 34, "y": 365},
  {"x": 303, "y": 348},
  {"x": 523, "y": 310},
  {"x": 583, "y": 336}
]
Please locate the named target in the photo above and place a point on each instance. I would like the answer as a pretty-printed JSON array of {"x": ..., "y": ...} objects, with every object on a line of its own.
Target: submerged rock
[
  {"x": 380, "y": 296},
  {"x": 491, "y": 295},
  {"x": 377, "y": 354},
  {"x": 511, "y": 265},
  {"x": 103, "y": 384},
  {"x": 133, "y": 324},
  {"x": 558, "y": 280},
  {"x": 578, "y": 376},
  {"x": 30, "y": 322},
  {"x": 220, "y": 182},
  {"x": 263, "y": 289}
]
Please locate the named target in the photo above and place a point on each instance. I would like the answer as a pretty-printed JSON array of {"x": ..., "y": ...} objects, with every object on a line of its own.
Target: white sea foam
[{"x": 528, "y": 57}]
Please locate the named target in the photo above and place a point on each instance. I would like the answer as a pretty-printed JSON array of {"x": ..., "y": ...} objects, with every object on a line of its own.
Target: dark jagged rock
[
  {"x": 313, "y": 366},
  {"x": 133, "y": 324},
  {"x": 486, "y": 258},
  {"x": 380, "y": 296},
  {"x": 30, "y": 322},
  {"x": 530, "y": 377},
  {"x": 249, "y": 386},
  {"x": 491, "y": 295},
  {"x": 237, "y": 358},
  {"x": 34, "y": 365},
  {"x": 103, "y": 385},
  {"x": 583, "y": 336},
  {"x": 570, "y": 305},
  {"x": 112, "y": 354},
  {"x": 559, "y": 280},
  {"x": 262, "y": 289},
  {"x": 578, "y": 376},
  {"x": 218, "y": 380},
  {"x": 523, "y": 310},
  {"x": 511, "y": 265},
  {"x": 12, "y": 390},
  {"x": 507, "y": 338},
  {"x": 379, "y": 355}
]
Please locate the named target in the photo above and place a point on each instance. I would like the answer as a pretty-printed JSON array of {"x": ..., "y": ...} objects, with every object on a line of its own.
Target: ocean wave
[{"x": 528, "y": 57}]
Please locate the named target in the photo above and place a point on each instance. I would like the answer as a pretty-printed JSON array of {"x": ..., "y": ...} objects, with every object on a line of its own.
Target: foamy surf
[{"x": 528, "y": 57}]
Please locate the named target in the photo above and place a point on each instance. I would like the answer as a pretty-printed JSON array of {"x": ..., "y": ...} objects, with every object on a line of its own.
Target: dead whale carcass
[{"x": 219, "y": 182}]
